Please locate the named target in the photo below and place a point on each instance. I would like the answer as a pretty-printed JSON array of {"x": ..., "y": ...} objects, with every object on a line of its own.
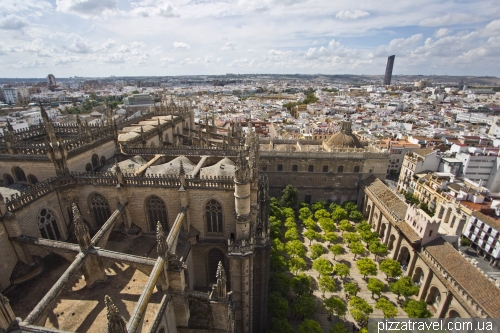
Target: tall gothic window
[
  {"x": 100, "y": 209},
  {"x": 213, "y": 215},
  {"x": 47, "y": 225},
  {"x": 19, "y": 173},
  {"x": 157, "y": 212}
]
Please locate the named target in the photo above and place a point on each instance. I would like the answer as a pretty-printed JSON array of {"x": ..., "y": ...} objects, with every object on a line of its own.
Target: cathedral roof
[
  {"x": 344, "y": 138},
  {"x": 173, "y": 167},
  {"x": 224, "y": 168}
]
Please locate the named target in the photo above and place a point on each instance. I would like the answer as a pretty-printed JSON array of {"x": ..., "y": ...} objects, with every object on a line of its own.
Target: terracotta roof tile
[{"x": 481, "y": 289}]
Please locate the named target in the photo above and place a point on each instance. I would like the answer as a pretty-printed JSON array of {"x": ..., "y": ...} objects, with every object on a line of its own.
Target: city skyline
[{"x": 180, "y": 37}]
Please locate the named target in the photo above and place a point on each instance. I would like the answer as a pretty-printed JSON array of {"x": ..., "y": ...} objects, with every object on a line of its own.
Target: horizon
[{"x": 90, "y": 38}]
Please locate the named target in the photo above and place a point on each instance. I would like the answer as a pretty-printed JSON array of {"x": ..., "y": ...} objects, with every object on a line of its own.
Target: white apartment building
[
  {"x": 481, "y": 168},
  {"x": 473, "y": 117},
  {"x": 416, "y": 162},
  {"x": 10, "y": 95},
  {"x": 484, "y": 232}
]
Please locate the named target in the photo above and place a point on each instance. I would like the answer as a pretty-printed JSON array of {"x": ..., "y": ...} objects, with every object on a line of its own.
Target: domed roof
[{"x": 344, "y": 138}]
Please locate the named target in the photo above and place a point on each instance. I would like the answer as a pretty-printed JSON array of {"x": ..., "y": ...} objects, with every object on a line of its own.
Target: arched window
[
  {"x": 103, "y": 160},
  {"x": 213, "y": 215},
  {"x": 340, "y": 168},
  {"x": 88, "y": 167},
  {"x": 214, "y": 257},
  {"x": 8, "y": 179},
  {"x": 100, "y": 209},
  {"x": 95, "y": 160},
  {"x": 157, "y": 212},
  {"x": 280, "y": 167},
  {"x": 356, "y": 169},
  {"x": 32, "y": 179},
  {"x": 47, "y": 225},
  {"x": 19, "y": 174}
]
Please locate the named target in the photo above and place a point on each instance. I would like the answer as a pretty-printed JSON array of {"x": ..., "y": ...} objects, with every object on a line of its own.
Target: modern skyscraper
[
  {"x": 52, "y": 80},
  {"x": 388, "y": 70}
]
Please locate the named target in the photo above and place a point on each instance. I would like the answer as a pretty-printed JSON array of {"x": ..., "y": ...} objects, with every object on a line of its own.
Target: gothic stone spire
[
  {"x": 116, "y": 323},
  {"x": 81, "y": 230},
  {"x": 161, "y": 240}
]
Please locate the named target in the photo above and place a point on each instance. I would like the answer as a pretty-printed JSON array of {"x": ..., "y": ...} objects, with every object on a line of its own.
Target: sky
[{"x": 99, "y": 38}]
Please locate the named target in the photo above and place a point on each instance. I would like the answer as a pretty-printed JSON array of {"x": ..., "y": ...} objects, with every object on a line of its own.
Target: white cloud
[
  {"x": 30, "y": 64},
  {"x": 492, "y": 28},
  {"x": 167, "y": 59},
  {"x": 13, "y": 22},
  {"x": 35, "y": 7},
  {"x": 442, "y": 32},
  {"x": 123, "y": 49},
  {"x": 228, "y": 47},
  {"x": 80, "y": 45},
  {"x": 108, "y": 44},
  {"x": 65, "y": 60},
  {"x": 114, "y": 58},
  {"x": 399, "y": 46},
  {"x": 278, "y": 52},
  {"x": 348, "y": 15},
  {"x": 450, "y": 19},
  {"x": 149, "y": 8},
  {"x": 87, "y": 8},
  {"x": 39, "y": 47},
  {"x": 181, "y": 46}
]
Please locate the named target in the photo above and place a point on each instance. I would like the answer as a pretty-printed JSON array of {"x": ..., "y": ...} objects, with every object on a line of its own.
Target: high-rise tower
[{"x": 388, "y": 70}]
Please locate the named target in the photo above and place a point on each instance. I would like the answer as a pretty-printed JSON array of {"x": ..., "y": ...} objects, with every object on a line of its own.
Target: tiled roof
[
  {"x": 423, "y": 152},
  {"x": 407, "y": 230},
  {"x": 491, "y": 221},
  {"x": 481, "y": 289},
  {"x": 387, "y": 196}
]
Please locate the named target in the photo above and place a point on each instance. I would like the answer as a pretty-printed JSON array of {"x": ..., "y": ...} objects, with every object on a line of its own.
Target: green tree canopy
[
  {"x": 342, "y": 270},
  {"x": 333, "y": 206},
  {"x": 355, "y": 215},
  {"x": 336, "y": 249},
  {"x": 357, "y": 249},
  {"x": 335, "y": 306},
  {"x": 322, "y": 213},
  {"x": 318, "y": 205},
  {"x": 317, "y": 250},
  {"x": 304, "y": 213},
  {"x": 277, "y": 263},
  {"x": 326, "y": 283},
  {"x": 378, "y": 249},
  {"x": 291, "y": 234},
  {"x": 369, "y": 236},
  {"x": 350, "y": 206},
  {"x": 327, "y": 224},
  {"x": 404, "y": 287},
  {"x": 295, "y": 248},
  {"x": 280, "y": 325},
  {"x": 296, "y": 264},
  {"x": 277, "y": 305},
  {"x": 280, "y": 282},
  {"x": 416, "y": 309},
  {"x": 351, "y": 288},
  {"x": 363, "y": 226},
  {"x": 389, "y": 309},
  {"x": 309, "y": 223},
  {"x": 311, "y": 235},
  {"x": 302, "y": 284},
  {"x": 338, "y": 328},
  {"x": 289, "y": 197},
  {"x": 391, "y": 268},
  {"x": 367, "y": 267},
  {"x": 345, "y": 225},
  {"x": 290, "y": 223},
  {"x": 278, "y": 245},
  {"x": 330, "y": 237},
  {"x": 304, "y": 306},
  {"x": 350, "y": 237},
  {"x": 360, "y": 310},
  {"x": 310, "y": 326},
  {"x": 322, "y": 266},
  {"x": 375, "y": 286},
  {"x": 288, "y": 213},
  {"x": 339, "y": 214}
]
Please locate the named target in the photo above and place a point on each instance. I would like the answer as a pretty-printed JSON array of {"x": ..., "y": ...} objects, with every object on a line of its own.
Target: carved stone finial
[
  {"x": 242, "y": 171},
  {"x": 181, "y": 170},
  {"x": 161, "y": 240},
  {"x": 81, "y": 229},
  {"x": 116, "y": 323},
  {"x": 221, "y": 282}
]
